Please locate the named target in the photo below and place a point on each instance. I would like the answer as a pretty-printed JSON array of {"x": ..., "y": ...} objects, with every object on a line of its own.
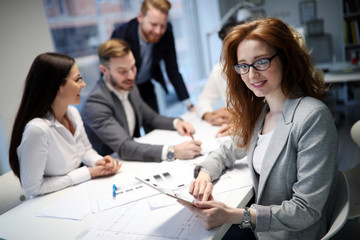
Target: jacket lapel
[
  {"x": 135, "y": 104},
  {"x": 134, "y": 42},
  {"x": 117, "y": 106},
  {"x": 277, "y": 143}
]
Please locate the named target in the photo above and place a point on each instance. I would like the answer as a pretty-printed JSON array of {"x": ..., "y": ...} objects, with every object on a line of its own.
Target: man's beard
[
  {"x": 117, "y": 86},
  {"x": 149, "y": 38}
]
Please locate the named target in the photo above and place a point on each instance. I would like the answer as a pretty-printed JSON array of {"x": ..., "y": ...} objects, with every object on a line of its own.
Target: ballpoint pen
[
  {"x": 115, "y": 191},
  {"x": 191, "y": 135}
]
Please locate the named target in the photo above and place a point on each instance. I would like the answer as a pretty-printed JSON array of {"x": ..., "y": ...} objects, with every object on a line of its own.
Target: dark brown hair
[{"x": 47, "y": 73}]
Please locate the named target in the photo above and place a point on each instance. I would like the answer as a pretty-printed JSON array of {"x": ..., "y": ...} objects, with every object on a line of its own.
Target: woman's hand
[
  {"x": 223, "y": 131},
  {"x": 212, "y": 214},
  {"x": 201, "y": 188},
  {"x": 105, "y": 166}
]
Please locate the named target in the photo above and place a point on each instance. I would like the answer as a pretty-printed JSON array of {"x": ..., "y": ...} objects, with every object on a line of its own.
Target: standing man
[
  {"x": 114, "y": 112},
  {"x": 151, "y": 39}
]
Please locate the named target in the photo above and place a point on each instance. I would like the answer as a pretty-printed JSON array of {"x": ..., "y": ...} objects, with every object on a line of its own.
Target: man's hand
[
  {"x": 185, "y": 128},
  {"x": 187, "y": 150}
]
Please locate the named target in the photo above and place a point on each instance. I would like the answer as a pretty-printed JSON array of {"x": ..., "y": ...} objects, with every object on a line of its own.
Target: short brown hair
[
  {"x": 112, "y": 48},
  {"x": 161, "y": 5}
]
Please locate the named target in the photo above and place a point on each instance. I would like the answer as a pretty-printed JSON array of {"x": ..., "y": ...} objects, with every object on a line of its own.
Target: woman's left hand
[{"x": 212, "y": 213}]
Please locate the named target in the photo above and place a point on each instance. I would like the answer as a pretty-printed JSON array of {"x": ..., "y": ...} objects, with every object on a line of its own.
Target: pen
[
  {"x": 114, "y": 191},
  {"x": 191, "y": 135}
]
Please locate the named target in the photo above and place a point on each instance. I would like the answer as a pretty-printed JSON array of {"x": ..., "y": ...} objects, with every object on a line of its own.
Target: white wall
[
  {"x": 24, "y": 33},
  {"x": 287, "y": 10},
  {"x": 328, "y": 10},
  {"x": 209, "y": 18}
]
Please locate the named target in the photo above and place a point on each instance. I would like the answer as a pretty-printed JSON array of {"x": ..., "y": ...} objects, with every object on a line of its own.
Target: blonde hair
[
  {"x": 111, "y": 49},
  {"x": 161, "y": 5}
]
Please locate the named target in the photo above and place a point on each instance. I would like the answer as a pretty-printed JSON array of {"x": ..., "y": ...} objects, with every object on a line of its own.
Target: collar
[
  {"x": 122, "y": 96},
  {"x": 51, "y": 120}
]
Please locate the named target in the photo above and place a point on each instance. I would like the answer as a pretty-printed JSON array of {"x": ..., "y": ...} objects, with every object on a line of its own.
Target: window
[{"x": 78, "y": 27}]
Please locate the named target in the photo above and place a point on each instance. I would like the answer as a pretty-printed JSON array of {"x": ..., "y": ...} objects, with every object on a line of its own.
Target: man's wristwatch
[
  {"x": 246, "y": 223},
  {"x": 170, "y": 155}
]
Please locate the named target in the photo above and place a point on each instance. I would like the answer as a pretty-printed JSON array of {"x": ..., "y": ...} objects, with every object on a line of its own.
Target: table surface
[
  {"x": 22, "y": 223},
  {"x": 340, "y": 72}
]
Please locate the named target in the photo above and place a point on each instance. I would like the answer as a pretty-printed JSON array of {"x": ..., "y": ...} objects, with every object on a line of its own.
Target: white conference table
[{"x": 22, "y": 223}]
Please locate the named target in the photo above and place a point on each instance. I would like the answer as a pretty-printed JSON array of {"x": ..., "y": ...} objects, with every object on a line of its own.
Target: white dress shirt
[
  {"x": 215, "y": 89},
  {"x": 50, "y": 156}
]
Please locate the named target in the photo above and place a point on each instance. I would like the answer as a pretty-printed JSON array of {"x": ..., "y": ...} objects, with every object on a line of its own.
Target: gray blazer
[
  {"x": 294, "y": 193},
  {"x": 107, "y": 127}
]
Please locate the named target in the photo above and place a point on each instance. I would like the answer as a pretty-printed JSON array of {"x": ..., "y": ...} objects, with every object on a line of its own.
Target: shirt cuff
[
  {"x": 175, "y": 122},
  {"x": 187, "y": 102},
  {"x": 79, "y": 175},
  {"x": 164, "y": 152}
]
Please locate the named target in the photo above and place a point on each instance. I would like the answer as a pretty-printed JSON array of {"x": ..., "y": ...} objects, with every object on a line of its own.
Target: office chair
[
  {"x": 353, "y": 177},
  {"x": 12, "y": 194},
  {"x": 355, "y": 132},
  {"x": 341, "y": 209}
]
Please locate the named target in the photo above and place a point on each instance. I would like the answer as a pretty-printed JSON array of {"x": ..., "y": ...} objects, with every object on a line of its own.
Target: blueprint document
[{"x": 138, "y": 221}]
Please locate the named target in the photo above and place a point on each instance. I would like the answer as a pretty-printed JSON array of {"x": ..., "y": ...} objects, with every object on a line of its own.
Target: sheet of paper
[
  {"x": 204, "y": 131},
  {"x": 160, "y": 216},
  {"x": 126, "y": 193},
  {"x": 75, "y": 205},
  {"x": 233, "y": 178},
  {"x": 138, "y": 221}
]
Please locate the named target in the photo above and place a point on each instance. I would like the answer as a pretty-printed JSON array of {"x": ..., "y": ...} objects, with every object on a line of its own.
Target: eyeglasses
[
  {"x": 78, "y": 79},
  {"x": 259, "y": 65}
]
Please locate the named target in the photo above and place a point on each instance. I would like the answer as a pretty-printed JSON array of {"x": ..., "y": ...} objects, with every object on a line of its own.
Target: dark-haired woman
[
  {"x": 48, "y": 143},
  {"x": 287, "y": 133}
]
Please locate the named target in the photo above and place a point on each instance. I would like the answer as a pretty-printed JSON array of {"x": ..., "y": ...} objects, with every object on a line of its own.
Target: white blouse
[
  {"x": 260, "y": 149},
  {"x": 50, "y": 156}
]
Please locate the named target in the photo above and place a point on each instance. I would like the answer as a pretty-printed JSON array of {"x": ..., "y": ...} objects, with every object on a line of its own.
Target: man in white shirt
[
  {"x": 215, "y": 89},
  {"x": 114, "y": 112}
]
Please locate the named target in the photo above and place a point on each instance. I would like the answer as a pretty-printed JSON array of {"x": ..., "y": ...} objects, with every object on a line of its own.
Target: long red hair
[{"x": 298, "y": 78}]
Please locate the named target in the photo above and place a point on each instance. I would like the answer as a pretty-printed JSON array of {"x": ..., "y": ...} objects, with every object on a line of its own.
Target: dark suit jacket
[
  {"x": 107, "y": 127},
  {"x": 164, "y": 49}
]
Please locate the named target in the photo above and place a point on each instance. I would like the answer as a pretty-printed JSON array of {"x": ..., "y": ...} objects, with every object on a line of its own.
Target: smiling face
[
  {"x": 152, "y": 25},
  {"x": 121, "y": 72},
  {"x": 70, "y": 91},
  {"x": 265, "y": 83}
]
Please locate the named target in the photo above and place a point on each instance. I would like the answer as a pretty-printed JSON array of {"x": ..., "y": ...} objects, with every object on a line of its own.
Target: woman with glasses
[
  {"x": 48, "y": 141},
  {"x": 287, "y": 133}
]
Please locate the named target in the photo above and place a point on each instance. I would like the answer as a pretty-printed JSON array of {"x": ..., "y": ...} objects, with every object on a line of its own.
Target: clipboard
[{"x": 187, "y": 199}]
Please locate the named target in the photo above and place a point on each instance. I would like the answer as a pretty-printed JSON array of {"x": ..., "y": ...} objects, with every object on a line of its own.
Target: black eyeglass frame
[{"x": 253, "y": 65}]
